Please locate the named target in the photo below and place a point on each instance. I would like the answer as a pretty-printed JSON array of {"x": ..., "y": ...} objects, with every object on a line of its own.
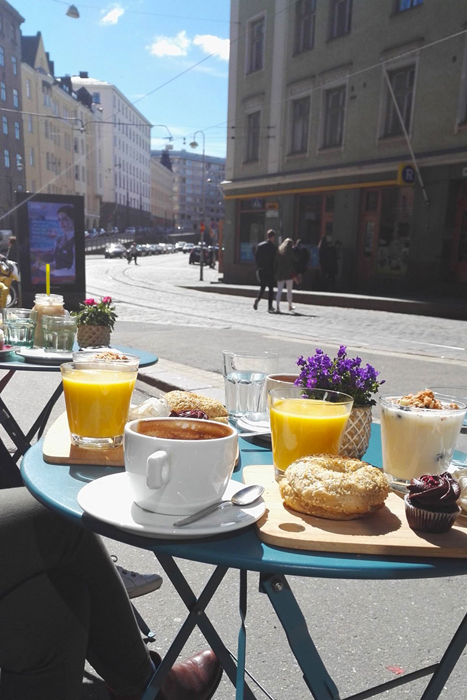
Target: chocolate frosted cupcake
[{"x": 431, "y": 504}]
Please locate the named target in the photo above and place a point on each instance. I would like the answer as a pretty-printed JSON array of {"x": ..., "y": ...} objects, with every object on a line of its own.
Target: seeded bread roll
[
  {"x": 186, "y": 401},
  {"x": 334, "y": 487}
]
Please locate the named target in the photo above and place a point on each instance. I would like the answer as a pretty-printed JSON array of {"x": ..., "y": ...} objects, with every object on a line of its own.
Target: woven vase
[
  {"x": 357, "y": 433},
  {"x": 93, "y": 336}
]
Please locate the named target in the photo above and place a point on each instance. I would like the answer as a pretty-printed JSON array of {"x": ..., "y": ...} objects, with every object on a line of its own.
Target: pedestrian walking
[
  {"x": 133, "y": 253},
  {"x": 301, "y": 259},
  {"x": 284, "y": 269},
  {"x": 264, "y": 257}
]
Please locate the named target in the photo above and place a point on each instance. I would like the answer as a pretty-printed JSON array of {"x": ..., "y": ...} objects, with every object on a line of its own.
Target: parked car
[
  {"x": 131, "y": 230},
  {"x": 195, "y": 255},
  {"x": 159, "y": 249},
  {"x": 170, "y": 248},
  {"x": 115, "y": 250},
  {"x": 188, "y": 247},
  {"x": 179, "y": 246}
]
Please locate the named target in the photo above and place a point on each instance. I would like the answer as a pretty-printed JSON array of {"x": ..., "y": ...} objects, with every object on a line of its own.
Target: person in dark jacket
[
  {"x": 265, "y": 256},
  {"x": 284, "y": 270},
  {"x": 132, "y": 253},
  {"x": 301, "y": 259}
]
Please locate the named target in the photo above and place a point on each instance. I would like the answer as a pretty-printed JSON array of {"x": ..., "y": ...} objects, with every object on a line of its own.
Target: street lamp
[
  {"x": 194, "y": 144},
  {"x": 72, "y": 12}
]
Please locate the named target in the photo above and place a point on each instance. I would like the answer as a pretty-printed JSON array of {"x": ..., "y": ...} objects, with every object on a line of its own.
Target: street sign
[
  {"x": 256, "y": 203},
  {"x": 272, "y": 206},
  {"x": 407, "y": 174}
]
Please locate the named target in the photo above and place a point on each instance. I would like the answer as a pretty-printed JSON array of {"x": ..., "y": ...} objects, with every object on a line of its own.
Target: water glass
[
  {"x": 456, "y": 394},
  {"x": 244, "y": 376},
  {"x": 417, "y": 441},
  {"x": 19, "y": 326},
  {"x": 306, "y": 422},
  {"x": 97, "y": 398},
  {"x": 59, "y": 332}
]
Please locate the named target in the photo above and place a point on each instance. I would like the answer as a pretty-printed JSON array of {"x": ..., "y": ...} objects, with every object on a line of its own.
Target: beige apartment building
[
  {"x": 162, "y": 195},
  {"x": 349, "y": 127},
  {"x": 61, "y": 133}
]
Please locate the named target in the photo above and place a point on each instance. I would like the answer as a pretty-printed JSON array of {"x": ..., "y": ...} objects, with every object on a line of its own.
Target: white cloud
[
  {"x": 170, "y": 45},
  {"x": 112, "y": 16},
  {"x": 213, "y": 44}
]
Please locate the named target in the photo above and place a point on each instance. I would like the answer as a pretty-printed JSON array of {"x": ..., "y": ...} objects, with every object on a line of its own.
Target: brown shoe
[{"x": 195, "y": 678}]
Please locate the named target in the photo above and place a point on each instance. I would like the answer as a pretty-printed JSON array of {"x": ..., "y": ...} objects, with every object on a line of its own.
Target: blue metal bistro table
[
  {"x": 9, "y": 472},
  {"x": 57, "y": 488}
]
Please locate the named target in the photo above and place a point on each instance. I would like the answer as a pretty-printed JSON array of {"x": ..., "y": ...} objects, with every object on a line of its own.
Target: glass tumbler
[
  {"x": 19, "y": 326},
  {"x": 97, "y": 398},
  {"x": 306, "y": 422},
  {"x": 244, "y": 377},
  {"x": 59, "y": 332}
]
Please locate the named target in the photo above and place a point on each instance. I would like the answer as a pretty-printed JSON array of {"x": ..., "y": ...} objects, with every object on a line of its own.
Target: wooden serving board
[
  {"x": 59, "y": 450},
  {"x": 384, "y": 533}
]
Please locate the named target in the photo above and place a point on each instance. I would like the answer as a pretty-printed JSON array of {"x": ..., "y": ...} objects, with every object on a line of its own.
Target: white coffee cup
[
  {"x": 277, "y": 381},
  {"x": 172, "y": 469}
]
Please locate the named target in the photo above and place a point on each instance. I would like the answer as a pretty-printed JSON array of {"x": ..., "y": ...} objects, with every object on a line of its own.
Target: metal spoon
[{"x": 244, "y": 497}]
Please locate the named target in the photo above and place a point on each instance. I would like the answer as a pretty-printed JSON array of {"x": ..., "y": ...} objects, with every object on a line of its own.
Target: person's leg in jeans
[
  {"x": 280, "y": 287},
  {"x": 61, "y": 600},
  {"x": 262, "y": 286},
  {"x": 289, "y": 286}
]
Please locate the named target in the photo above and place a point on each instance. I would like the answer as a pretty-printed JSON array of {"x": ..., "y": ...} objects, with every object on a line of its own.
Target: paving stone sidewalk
[{"x": 170, "y": 376}]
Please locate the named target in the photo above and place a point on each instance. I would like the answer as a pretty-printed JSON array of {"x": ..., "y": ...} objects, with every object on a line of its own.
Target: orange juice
[
  {"x": 302, "y": 427},
  {"x": 97, "y": 401}
]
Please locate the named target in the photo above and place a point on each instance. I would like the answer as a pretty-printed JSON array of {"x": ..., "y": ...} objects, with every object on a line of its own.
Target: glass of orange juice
[
  {"x": 97, "y": 398},
  {"x": 305, "y": 422}
]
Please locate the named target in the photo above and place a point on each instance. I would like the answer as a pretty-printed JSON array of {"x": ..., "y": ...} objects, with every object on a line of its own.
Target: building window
[
  {"x": 14, "y": 65},
  {"x": 2, "y": 91},
  {"x": 76, "y": 172},
  {"x": 256, "y": 45},
  {"x": 31, "y": 156},
  {"x": 6, "y": 155},
  {"x": 407, "y": 4},
  {"x": 340, "y": 18},
  {"x": 2, "y": 56},
  {"x": 46, "y": 129},
  {"x": 402, "y": 82},
  {"x": 30, "y": 128},
  {"x": 334, "y": 113},
  {"x": 19, "y": 162},
  {"x": 305, "y": 19},
  {"x": 5, "y": 125},
  {"x": 15, "y": 98},
  {"x": 28, "y": 88},
  {"x": 253, "y": 135},
  {"x": 300, "y": 120}
]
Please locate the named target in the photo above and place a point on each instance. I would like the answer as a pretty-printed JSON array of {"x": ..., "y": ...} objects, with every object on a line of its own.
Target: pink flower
[
  {"x": 90, "y": 302},
  {"x": 106, "y": 300}
]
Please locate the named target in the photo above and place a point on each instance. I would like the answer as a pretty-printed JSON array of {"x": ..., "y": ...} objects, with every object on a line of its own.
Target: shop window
[
  {"x": 403, "y": 5},
  {"x": 253, "y": 136},
  {"x": 256, "y": 45},
  {"x": 394, "y": 232},
  {"x": 305, "y": 20},
  {"x": 300, "y": 121},
  {"x": 334, "y": 114},
  {"x": 402, "y": 83},
  {"x": 340, "y": 18},
  {"x": 371, "y": 200},
  {"x": 329, "y": 203}
]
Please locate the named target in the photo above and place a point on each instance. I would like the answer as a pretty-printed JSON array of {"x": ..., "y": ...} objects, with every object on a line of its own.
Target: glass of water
[
  {"x": 244, "y": 377},
  {"x": 19, "y": 326}
]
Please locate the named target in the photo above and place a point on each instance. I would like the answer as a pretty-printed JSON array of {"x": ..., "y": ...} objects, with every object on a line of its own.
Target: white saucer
[
  {"x": 41, "y": 356},
  {"x": 109, "y": 499},
  {"x": 263, "y": 427}
]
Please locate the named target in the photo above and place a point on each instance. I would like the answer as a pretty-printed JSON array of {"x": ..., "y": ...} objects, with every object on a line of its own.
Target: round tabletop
[
  {"x": 17, "y": 363},
  {"x": 57, "y": 487}
]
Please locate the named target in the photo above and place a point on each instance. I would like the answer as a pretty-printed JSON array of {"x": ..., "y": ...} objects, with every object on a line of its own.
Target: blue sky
[{"x": 140, "y": 44}]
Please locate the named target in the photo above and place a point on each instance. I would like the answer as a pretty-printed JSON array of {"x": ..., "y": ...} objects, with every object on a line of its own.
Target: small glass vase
[{"x": 357, "y": 433}]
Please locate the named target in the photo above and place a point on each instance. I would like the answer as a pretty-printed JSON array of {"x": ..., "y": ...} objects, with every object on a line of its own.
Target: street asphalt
[{"x": 364, "y": 630}]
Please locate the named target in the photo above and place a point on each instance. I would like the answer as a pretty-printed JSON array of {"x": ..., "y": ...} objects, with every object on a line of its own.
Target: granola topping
[
  {"x": 425, "y": 399},
  {"x": 109, "y": 355}
]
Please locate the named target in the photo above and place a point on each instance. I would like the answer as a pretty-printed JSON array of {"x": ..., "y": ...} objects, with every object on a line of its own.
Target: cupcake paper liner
[{"x": 427, "y": 520}]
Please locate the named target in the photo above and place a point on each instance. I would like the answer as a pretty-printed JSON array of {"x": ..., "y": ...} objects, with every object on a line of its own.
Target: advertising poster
[
  {"x": 52, "y": 241},
  {"x": 51, "y": 232}
]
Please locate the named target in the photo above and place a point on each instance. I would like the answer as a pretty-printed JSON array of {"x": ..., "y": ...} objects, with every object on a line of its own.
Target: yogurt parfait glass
[{"x": 417, "y": 441}]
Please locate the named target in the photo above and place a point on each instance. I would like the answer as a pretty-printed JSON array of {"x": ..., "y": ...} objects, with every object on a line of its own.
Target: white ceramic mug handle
[{"x": 157, "y": 470}]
